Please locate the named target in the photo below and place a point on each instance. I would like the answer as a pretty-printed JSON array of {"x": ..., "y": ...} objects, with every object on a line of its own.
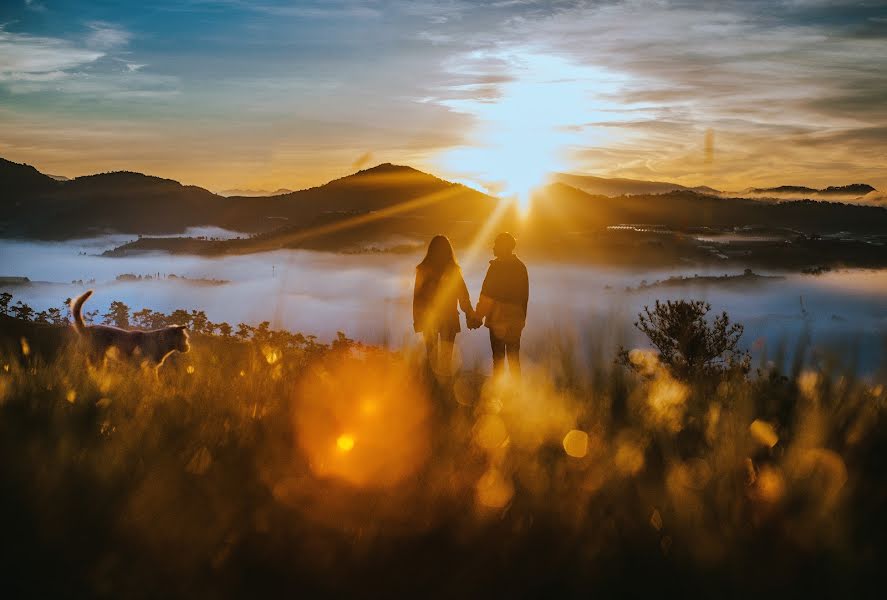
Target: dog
[{"x": 153, "y": 346}]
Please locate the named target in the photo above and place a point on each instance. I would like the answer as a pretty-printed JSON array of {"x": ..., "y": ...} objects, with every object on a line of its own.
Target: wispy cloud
[
  {"x": 35, "y": 6},
  {"x": 23, "y": 56},
  {"x": 85, "y": 67},
  {"x": 732, "y": 94},
  {"x": 106, "y": 36},
  {"x": 761, "y": 79}
]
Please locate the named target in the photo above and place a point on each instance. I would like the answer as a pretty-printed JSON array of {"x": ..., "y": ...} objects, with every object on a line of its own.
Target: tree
[
  {"x": 224, "y": 330},
  {"x": 117, "y": 315},
  {"x": 688, "y": 345},
  {"x": 149, "y": 319},
  {"x": 22, "y": 311},
  {"x": 55, "y": 316},
  {"x": 261, "y": 333},
  {"x": 342, "y": 342},
  {"x": 5, "y": 299},
  {"x": 199, "y": 321},
  {"x": 244, "y": 331},
  {"x": 179, "y": 317}
]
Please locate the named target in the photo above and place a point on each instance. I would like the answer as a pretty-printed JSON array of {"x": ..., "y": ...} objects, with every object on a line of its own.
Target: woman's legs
[
  {"x": 445, "y": 353},
  {"x": 440, "y": 351}
]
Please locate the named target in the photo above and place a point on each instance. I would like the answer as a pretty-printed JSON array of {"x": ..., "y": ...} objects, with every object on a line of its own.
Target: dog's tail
[{"x": 76, "y": 307}]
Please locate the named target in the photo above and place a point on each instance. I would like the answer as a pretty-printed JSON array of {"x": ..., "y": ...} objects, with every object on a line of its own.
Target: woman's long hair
[{"x": 440, "y": 256}]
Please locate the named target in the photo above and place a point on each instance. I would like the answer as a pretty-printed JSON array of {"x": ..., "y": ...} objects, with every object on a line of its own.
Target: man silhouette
[{"x": 503, "y": 303}]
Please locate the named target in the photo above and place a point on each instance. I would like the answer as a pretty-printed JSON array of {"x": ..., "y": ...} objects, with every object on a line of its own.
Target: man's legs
[
  {"x": 498, "y": 348},
  {"x": 512, "y": 349},
  {"x": 431, "y": 348}
]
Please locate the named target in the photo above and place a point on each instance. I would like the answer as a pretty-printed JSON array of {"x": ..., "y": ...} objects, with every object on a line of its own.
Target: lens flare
[
  {"x": 576, "y": 443},
  {"x": 345, "y": 442},
  {"x": 362, "y": 420}
]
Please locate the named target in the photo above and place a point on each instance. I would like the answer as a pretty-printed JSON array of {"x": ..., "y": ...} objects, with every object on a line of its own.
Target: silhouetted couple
[{"x": 440, "y": 291}]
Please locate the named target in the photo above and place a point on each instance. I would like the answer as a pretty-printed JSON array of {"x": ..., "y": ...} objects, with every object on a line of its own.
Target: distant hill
[
  {"x": 386, "y": 201},
  {"x": 570, "y": 225},
  {"x": 854, "y": 190},
  {"x": 559, "y": 205},
  {"x": 37, "y": 206},
  {"x": 615, "y": 186},
  {"x": 255, "y": 193},
  {"x": 19, "y": 179}
]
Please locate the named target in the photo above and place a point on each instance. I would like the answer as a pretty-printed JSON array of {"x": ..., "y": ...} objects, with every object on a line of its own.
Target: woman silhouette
[{"x": 439, "y": 288}]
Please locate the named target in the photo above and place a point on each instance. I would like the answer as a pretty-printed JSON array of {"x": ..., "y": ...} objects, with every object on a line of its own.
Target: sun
[
  {"x": 529, "y": 127},
  {"x": 511, "y": 166}
]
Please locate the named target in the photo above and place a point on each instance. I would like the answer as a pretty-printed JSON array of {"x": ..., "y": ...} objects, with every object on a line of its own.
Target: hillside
[
  {"x": 37, "y": 206},
  {"x": 839, "y": 192},
  {"x": 390, "y": 204},
  {"x": 615, "y": 186},
  {"x": 560, "y": 205}
]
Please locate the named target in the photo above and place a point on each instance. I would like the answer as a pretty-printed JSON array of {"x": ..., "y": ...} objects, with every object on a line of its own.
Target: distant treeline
[{"x": 119, "y": 314}]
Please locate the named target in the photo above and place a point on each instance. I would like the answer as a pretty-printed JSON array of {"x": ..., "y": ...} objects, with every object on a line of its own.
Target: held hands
[{"x": 473, "y": 320}]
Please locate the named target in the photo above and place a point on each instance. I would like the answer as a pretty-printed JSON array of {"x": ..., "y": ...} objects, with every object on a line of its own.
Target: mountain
[
  {"x": 615, "y": 186},
  {"x": 125, "y": 202},
  {"x": 19, "y": 179},
  {"x": 852, "y": 191},
  {"x": 570, "y": 209},
  {"x": 37, "y": 206},
  {"x": 386, "y": 202},
  {"x": 350, "y": 212},
  {"x": 254, "y": 193}
]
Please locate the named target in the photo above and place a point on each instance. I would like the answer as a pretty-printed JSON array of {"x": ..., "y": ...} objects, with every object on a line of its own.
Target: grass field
[{"x": 245, "y": 468}]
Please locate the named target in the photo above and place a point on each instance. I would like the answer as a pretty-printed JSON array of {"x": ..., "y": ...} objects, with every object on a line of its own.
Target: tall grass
[{"x": 243, "y": 469}]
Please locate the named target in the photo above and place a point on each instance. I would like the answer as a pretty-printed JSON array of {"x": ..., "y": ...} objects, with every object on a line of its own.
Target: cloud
[
  {"x": 876, "y": 198},
  {"x": 106, "y": 36},
  {"x": 35, "y": 6},
  {"x": 23, "y": 56},
  {"x": 761, "y": 79},
  {"x": 362, "y": 160},
  {"x": 791, "y": 89},
  {"x": 34, "y": 64}
]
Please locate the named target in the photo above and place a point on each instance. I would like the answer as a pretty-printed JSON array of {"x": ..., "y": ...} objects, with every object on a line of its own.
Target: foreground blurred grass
[{"x": 244, "y": 469}]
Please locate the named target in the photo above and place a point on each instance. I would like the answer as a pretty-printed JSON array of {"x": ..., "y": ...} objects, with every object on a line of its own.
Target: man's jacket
[{"x": 503, "y": 297}]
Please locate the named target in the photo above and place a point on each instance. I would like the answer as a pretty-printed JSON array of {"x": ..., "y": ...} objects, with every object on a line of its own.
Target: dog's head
[{"x": 178, "y": 336}]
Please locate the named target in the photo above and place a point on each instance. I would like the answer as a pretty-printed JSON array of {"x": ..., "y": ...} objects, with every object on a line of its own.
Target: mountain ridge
[
  {"x": 135, "y": 203},
  {"x": 381, "y": 200}
]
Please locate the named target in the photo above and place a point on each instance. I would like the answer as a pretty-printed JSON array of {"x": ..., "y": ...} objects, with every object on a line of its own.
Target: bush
[{"x": 688, "y": 345}]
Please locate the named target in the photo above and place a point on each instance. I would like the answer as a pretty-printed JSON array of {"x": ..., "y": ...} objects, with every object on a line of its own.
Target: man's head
[{"x": 504, "y": 245}]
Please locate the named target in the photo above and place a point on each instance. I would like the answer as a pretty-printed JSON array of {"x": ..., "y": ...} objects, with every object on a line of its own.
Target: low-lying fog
[{"x": 369, "y": 297}]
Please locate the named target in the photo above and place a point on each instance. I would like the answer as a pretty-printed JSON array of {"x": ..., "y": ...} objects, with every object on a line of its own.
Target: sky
[{"x": 269, "y": 94}]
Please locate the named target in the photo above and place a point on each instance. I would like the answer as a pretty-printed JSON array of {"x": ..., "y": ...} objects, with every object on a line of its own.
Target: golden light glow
[
  {"x": 490, "y": 432},
  {"x": 763, "y": 432},
  {"x": 362, "y": 420},
  {"x": 494, "y": 490},
  {"x": 345, "y": 442},
  {"x": 272, "y": 355},
  {"x": 523, "y": 135},
  {"x": 576, "y": 443}
]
